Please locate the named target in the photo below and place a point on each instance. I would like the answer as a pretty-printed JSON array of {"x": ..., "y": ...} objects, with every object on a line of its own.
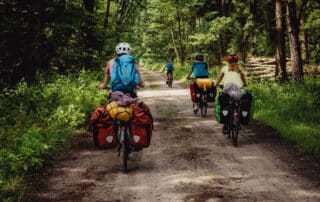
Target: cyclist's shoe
[{"x": 224, "y": 129}]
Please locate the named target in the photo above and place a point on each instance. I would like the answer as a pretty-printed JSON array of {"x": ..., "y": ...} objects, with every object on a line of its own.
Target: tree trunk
[
  {"x": 222, "y": 35},
  {"x": 281, "y": 71},
  {"x": 253, "y": 11},
  {"x": 175, "y": 45},
  {"x": 106, "y": 19},
  {"x": 89, "y": 5},
  {"x": 293, "y": 34}
]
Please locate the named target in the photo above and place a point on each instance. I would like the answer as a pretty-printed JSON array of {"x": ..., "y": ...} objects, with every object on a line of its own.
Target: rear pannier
[
  {"x": 141, "y": 126},
  {"x": 103, "y": 128}
]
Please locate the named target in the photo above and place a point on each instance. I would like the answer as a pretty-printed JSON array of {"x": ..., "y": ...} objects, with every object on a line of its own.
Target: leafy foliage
[
  {"x": 37, "y": 120},
  {"x": 42, "y": 36}
]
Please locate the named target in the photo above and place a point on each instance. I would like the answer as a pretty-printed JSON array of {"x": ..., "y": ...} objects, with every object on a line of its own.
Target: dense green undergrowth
[
  {"x": 37, "y": 120},
  {"x": 293, "y": 110}
]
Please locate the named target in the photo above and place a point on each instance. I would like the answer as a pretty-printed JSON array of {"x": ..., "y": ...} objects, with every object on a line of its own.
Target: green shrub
[
  {"x": 37, "y": 119},
  {"x": 291, "y": 109}
]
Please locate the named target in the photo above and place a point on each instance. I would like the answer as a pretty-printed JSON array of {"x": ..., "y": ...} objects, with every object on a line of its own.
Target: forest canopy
[{"x": 65, "y": 36}]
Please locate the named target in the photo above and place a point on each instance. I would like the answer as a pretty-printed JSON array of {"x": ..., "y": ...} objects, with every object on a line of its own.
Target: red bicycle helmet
[{"x": 232, "y": 57}]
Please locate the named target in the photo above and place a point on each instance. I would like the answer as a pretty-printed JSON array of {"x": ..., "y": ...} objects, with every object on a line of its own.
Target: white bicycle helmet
[{"x": 123, "y": 48}]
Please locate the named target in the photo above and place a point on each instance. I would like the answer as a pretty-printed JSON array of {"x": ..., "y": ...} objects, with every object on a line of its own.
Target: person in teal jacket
[{"x": 199, "y": 68}]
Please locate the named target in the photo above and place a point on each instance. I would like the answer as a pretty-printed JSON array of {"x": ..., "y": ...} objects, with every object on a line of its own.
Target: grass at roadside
[{"x": 291, "y": 109}]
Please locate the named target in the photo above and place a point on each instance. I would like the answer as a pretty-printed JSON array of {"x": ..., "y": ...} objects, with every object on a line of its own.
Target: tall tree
[
  {"x": 106, "y": 18},
  {"x": 281, "y": 71},
  {"x": 89, "y": 5},
  {"x": 293, "y": 35}
]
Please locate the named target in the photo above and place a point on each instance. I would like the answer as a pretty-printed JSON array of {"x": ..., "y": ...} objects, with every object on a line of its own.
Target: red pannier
[
  {"x": 141, "y": 126},
  {"x": 193, "y": 86},
  {"x": 103, "y": 129}
]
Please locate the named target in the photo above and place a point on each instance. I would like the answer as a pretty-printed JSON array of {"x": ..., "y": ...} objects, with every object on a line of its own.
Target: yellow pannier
[
  {"x": 120, "y": 113},
  {"x": 204, "y": 83}
]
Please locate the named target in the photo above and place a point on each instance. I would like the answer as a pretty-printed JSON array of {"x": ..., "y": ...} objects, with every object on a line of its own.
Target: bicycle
[
  {"x": 202, "y": 85},
  {"x": 169, "y": 82},
  {"x": 233, "y": 124}
]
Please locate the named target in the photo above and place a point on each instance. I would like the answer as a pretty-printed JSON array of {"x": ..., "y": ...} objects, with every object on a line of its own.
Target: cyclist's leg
[{"x": 224, "y": 129}]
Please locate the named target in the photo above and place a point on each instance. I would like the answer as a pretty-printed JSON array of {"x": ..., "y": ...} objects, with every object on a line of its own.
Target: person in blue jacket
[
  {"x": 199, "y": 68},
  {"x": 169, "y": 67}
]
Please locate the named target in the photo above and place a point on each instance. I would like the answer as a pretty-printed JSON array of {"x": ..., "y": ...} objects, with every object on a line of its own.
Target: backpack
[
  {"x": 169, "y": 66},
  {"x": 141, "y": 126},
  {"x": 103, "y": 129},
  {"x": 200, "y": 69},
  {"x": 124, "y": 74}
]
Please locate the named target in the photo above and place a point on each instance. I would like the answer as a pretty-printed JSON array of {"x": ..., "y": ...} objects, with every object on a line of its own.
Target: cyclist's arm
[
  {"x": 141, "y": 82},
  {"x": 243, "y": 78},
  {"x": 189, "y": 74},
  {"x": 219, "y": 79}
]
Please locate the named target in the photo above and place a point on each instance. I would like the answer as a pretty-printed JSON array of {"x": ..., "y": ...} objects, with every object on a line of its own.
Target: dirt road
[{"x": 189, "y": 160}]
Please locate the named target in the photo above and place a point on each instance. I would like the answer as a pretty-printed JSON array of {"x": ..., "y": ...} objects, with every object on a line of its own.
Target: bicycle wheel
[
  {"x": 235, "y": 131},
  {"x": 204, "y": 105},
  {"x": 193, "y": 107},
  {"x": 125, "y": 151},
  {"x": 229, "y": 127}
]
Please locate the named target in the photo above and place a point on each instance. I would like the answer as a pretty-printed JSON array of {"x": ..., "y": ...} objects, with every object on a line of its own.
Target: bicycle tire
[
  {"x": 235, "y": 132},
  {"x": 204, "y": 108},
  {"x": 194, "y": 111},
  {"x": 229, "y": 128},
  {"x": 229, "y": 125},
  {"x": 204, "y": 105},
  {"x": 125, "y": 152}
]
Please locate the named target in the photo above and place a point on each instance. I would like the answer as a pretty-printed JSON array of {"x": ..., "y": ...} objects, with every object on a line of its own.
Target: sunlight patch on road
[
  {"x": 251, "y": 157},
  {"x": 208, "y": 179},
  {"x": 163, "y": 93},
  {"x": 309, "y": 193}
]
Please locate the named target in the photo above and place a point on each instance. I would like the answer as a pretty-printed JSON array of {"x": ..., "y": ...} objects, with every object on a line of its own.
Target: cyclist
[
  {"x": 169, "y": 67},
  {"x": 200, "y": 70},
  {"x": 121, "y": 49},
  {"x": 233, "y": 78}
]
